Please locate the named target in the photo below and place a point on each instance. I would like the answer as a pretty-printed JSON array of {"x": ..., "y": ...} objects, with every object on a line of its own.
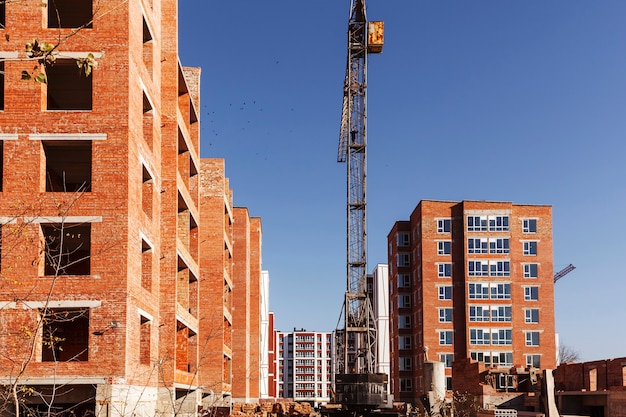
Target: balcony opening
[
  {"x": 65, "y": 335},
  {"x": 147, "y": 192},
  {"x": 67, "y": 87},
  {"x": 70, "y": 13},
  {"x": 148, "y": 47},
  {"x": 68, "y": 165},
  {"x": 3, "y": 15},
  {"x": 146, "y": 265},
  {"x": 144, "y": 342},
  {"x": 67, "y": 249}
]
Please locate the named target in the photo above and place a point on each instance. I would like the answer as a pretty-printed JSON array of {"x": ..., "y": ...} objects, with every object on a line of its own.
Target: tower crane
[
  {"x": 358, "y": 387},
  {"x": 569, "y": 268}
]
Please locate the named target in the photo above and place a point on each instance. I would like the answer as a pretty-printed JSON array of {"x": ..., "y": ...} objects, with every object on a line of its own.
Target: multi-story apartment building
[
  {"x": 304, "y": 366},
  {"x": 470, "y": 281},
  {"x": 119, "y": 251}
]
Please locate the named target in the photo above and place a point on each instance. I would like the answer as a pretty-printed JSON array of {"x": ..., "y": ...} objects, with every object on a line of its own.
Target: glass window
[
  {"x": 478, "y": 268},
  {"x": 533, "y": 361},
  {"x": 502, "y": 337},
  {"x": 405, "y": 322},
  {"x": 501, "y": 313},
  {"x": 445, "y": 315},
  {"x": 445, "y": 337},
  {"x": 476, "y": 223},
  {"x": 498, "y": 223},
  {"x": 404, "y": 301},
  {"x": 443, "y": 225},
  {"x": 477, "y": 245},
  {"x": 404, "y": 280},
  {"x": 531, "y": 315},
  {"x": 530, "y": 248},
  {"x": 478, "y": 313},
  {"x": 403, "y": 239},
  {"x": 404, "y": 259},
  {"x": 405, "y": 342},
  {"x": 529, "y": 225},
  {"x": 445, "y": 292},
  {"x": 531, "y": 293},
  {"x": 444, "y": 247},
  {"x": 446, "y": 358},
  {"x": 445, "y": 270},
  {"x": 478, "y": 291},
  {"x": 479, "y": 337},
  {"x": 500, "y": 268},
  {"x": 499, "y": 245},
  {"x": 501, "y": 291},
  {"x": 532, "y": 338},
  {"x": 530, "y": 270}
]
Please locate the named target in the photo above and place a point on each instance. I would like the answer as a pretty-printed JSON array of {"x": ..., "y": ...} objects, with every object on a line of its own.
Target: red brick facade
[
  {"x": 470, "y": 280},
  {"x": 103, "y": 174}
]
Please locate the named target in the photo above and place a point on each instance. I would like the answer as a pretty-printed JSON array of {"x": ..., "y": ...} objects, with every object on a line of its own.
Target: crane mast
[{"x": 356, "y": 381}]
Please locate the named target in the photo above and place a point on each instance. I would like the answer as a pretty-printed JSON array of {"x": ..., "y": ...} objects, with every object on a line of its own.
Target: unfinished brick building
[
  {"x": 471, "y": 282},
  {"x": 111, "y": 288}
]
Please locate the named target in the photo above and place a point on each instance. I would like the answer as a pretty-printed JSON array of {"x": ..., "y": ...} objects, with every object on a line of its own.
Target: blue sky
[{"x": 521, "y": 101}]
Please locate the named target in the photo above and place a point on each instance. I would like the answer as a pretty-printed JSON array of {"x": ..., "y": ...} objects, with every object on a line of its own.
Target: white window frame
[
  {"x": 404, "y": 238},
  {"x": 502, "y": 337},
  {"x": 482, "y": 223},
  {"x": 477, "y": 245},
  {"x": 404, "y": 342},
  {"x": 500, "y": 291},
  {"x": 532, "y": 359},
  {"x": 404, "y": 280},
  {"x": 528, "y": 270},
  {"x": 480, "y": 336},
  {"x": 404, "y": 301},
  {"x": 445, "y": 315},
  {"x": 533, "y": 338},
  {"x": 443, "y": 224},
  {"x": 444, "y": 247},
  {"x": 502, "y": 227},
  {"x": 531, "y": 293},
  {"x": 502, "y": 314},
  {"x": 480, "y": 291},
  {"x": 500, "y": 268},
  {"x": 404, "y": 321},
  {"x": 499, "y": 245},
  {"x": 530, "y": 247},
  {"x": 529, "y": 225},
  {"x": 444, "y": 270},
  {"x": 531, "y": 315},
  {"x": 445, "y": 292},
  {"x": 446, "y": 359},
  {"x": 478, "y": 268},
  {"x": 404, "y": 259},
  {"x": 478, "y": 313},
  {"x": 446, "y": 337}
]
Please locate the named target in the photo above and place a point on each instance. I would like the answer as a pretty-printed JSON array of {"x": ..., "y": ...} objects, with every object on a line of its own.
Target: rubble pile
[{"x": 273, "y": 409}]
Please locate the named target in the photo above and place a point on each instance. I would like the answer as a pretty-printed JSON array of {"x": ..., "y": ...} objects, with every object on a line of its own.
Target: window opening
[
  {"x": 67, "y": 249},
  {"x": 68, "y": 165},
  {"x": 147, "y": 192},
  {"x": 65, "y": 335},
  {"x": 146, "y": 265},
  {"x": 148, "y": 47},
  {"x": 67, "y": 87},
  {"x": 144, "y": 342},
  {"x": 70, "y": 13}
]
